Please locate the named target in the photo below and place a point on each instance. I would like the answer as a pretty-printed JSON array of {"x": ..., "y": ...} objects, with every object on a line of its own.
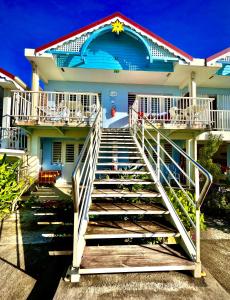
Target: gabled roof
[
  {"x": 6, "y": 73},
  {"x": 18, "y": 83},
  {"x": 89, "y": 27},
  {"x": 219, "y": 55}
]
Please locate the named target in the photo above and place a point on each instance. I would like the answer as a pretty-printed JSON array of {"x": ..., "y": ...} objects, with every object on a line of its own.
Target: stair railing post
[
  {"x": 158, "y": 155},
  {"x": 197, "y": 194},
  {"x": 76, "y": 219},
  {"x": 143, "y": 133}
]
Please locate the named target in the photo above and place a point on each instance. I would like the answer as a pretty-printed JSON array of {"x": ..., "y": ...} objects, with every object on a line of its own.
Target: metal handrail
[
  {"x": 143, "y": 135},
  {"x": 208, "y": 176},
  {"x": 82, "y": 183}
]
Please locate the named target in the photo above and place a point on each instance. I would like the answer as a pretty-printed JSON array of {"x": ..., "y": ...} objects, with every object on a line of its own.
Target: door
[{"x": 69, "y": 160}]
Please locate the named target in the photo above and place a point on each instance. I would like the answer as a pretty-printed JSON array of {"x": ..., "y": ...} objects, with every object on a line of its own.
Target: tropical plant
[
  {"x": 206, "y": 154},
  {"x": 10, "y": 186},
  {"x": 182, "y": 197}
]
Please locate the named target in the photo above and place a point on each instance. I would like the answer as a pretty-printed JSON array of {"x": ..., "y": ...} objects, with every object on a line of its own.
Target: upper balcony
[
  {"x": 12, "y": 138},
  {"x": 54, "y": 108},
  {"x": 171, "y": 112}
]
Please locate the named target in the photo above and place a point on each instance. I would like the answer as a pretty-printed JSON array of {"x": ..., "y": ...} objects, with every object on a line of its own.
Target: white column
[
  {"x": 35, "y": 88},
  {"x": 192, "y": 87},
  {"x": 6, "y": 109},
  {"x": 6, "y": 112},
  {"x": 191, "y": 150}
]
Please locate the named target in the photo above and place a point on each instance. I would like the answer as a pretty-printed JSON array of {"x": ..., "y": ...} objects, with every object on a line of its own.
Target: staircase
[
  {"x": 124, "y": 220},
  {"x": 117, "y": 213}
]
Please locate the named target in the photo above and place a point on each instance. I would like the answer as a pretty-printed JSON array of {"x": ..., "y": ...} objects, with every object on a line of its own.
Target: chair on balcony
[{"x": 175, "y": 114}]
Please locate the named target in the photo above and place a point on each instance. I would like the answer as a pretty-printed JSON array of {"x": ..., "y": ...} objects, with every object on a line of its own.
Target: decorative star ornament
[{"x": 117, "y": 26}]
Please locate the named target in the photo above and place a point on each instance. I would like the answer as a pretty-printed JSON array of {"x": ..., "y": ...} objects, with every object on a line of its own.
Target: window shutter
[
  {"x": 56, "y": 153},
  {"x": 69, "y": 153}
]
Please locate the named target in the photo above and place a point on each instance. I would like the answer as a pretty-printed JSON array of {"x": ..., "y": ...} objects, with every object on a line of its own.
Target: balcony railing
[
  {"x": 13, "y": 138},
  {"x": 59, "y": 108},
  {"x": 171, "y": 111},
  {"x": 220, "y": 119}
]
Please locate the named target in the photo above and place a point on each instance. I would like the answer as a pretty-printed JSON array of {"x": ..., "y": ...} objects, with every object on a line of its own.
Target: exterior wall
[
  {"x": 223, "y": 96},
  {"x": 120, "y": 101},
  {"x": 46, "y": 146},
  {"x": 40, "y": 147}
]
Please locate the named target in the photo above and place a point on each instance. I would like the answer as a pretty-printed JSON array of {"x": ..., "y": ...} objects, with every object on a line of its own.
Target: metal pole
[
  {"x": 158, "y": 155},
  {"x": 143, "y": 133}
]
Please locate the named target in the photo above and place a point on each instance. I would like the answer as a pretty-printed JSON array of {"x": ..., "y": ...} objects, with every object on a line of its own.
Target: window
[
  {"x": 69, "y": 153},
  {"x": 80, "y": 147},
  {"x": 56, "y": 152},
  {"x": 168, "y": 149}
]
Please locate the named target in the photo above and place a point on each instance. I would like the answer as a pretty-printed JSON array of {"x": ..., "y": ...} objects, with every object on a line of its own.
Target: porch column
[
  {"x": 192, "y": 86},
  {"x": 191, "y": 150},
  {"x": 35, "y": 88},
  {"x": 6, "y": 109},
  {"x": 34, "y": 157},
  {"x": 6, "y": 112}
]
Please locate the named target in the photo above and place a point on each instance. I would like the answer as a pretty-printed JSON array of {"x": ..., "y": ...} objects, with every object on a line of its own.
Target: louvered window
[
  {"x": 168, "y": 148},
  {"x": 131, "y": 99},
  {"x": 69, "y": 153},
  {"x": 56, "y": 152}
]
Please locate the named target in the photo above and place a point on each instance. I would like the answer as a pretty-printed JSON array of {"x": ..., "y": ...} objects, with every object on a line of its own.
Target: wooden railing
[
  {"x": 54, "y": 107},
  {"x": 174, "y": 111},
  {"x": 13, "y": 138}
]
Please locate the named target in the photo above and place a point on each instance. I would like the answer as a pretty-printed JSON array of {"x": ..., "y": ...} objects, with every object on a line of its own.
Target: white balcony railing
[
  {"x": 54, "y": 107},
  {"x": 220, "y": 119},
  {"x": 13, "y": 138},
  {"x": 175, "y": 111}
]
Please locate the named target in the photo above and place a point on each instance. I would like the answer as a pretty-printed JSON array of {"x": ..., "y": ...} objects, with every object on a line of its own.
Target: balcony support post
[
  {"x": 192, "y": 87},
  {"x": 6, "y": 109},
  {"x": 35, "y": 88},
  {"x": 191, "y": 150}
]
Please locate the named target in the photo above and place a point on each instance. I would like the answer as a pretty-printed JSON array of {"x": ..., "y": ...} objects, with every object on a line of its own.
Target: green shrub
[
  {"x": 206, "y": 154},
  {"x": 10, "y": 187},
  {"x": 189, "y": 208}
]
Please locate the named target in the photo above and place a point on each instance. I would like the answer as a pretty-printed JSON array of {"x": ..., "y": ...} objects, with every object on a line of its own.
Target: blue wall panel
[
  {"x": 120, "y": 101},
  {"x": 115, "y": 52}
]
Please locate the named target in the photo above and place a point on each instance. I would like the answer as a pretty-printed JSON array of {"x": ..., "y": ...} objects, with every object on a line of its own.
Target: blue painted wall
[
  {"x": 120, "y": 101},
  {"x": 221, "y": 103},
  {"x": 46, "y": 146}
]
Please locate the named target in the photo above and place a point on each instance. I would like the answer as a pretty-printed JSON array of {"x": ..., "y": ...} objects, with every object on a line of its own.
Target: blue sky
[{"x": 199, "y": 27}]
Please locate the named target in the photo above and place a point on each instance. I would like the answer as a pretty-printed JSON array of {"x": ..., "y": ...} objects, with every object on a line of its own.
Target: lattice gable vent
[
  {"x": 158, "y": 51},
  {"x": 73, "y": 45}
]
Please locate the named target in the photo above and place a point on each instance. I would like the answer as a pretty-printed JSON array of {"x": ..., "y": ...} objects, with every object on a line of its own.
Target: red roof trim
[
  {"x": 218, "y": 54},
  {"x": 7, "y": 73},
  {"x": 65, "y": 37}
]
